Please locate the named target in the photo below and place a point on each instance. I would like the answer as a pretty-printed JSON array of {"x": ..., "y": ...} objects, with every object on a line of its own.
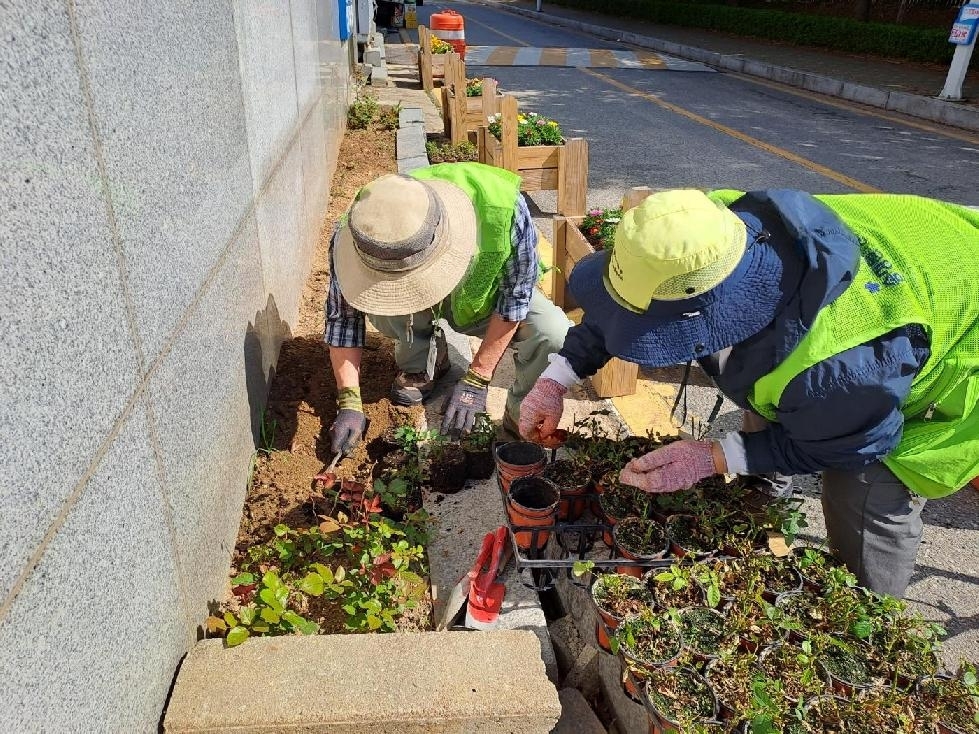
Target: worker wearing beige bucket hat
[
  {"x": 454, "y": 244},
  {"x": 851, "y": 348}
]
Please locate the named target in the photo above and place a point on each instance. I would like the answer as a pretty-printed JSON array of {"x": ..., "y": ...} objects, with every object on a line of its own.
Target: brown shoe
[{"x": 411, "y": 388}]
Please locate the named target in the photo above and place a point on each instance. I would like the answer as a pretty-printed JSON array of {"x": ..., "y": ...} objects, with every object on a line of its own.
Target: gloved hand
[
  {"x": 468, "y": 398},
  {"x": 541, "y": 410},
  {"x": 349, "y": 426},
  {"x": 676, "y": 466}
]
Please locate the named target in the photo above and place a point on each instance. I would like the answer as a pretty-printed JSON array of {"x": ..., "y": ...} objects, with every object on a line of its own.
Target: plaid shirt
[{"x": 345, "y": 324}]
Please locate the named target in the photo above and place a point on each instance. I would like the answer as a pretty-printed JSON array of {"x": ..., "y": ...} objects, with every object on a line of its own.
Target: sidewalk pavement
[{"x": 895, "y": 85}]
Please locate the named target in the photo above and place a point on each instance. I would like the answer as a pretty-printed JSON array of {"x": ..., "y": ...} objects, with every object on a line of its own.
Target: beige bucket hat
[{"x": 405, "y": 245}]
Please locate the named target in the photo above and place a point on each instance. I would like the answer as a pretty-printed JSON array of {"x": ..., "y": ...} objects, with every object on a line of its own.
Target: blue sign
[{"x": 964, "y": 29}]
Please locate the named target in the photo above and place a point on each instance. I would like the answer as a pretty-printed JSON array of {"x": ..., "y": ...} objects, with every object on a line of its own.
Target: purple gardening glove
[
  {"x": 541, "y": 410},
  {"x": 676, "y": 466},
  {"x": 349, "y": 426}
]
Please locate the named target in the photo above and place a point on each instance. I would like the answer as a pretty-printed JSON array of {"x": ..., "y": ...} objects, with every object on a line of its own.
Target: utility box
[{"x": 365, "y": 19}]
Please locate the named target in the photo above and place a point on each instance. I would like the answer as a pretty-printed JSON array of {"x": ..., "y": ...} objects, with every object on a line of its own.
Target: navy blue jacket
[{"x": 842, "y": 413}]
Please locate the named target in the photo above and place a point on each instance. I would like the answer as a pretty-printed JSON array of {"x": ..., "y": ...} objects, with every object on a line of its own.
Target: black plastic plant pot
[
  {"x": 640, "y": 540},
  {"x": 680, "y": 698},
  {"x": 447, "y": 471},
  {"x": 703, "y": 631}
]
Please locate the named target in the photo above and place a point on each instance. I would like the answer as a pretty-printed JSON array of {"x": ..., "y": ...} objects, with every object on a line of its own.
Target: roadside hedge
[{"x": 841, "y": 34}]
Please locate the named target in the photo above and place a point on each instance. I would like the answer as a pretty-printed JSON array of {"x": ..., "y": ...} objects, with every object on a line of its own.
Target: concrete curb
[
  {"x": 913, "y": 105},
  {"x": 410, "y": 144}
]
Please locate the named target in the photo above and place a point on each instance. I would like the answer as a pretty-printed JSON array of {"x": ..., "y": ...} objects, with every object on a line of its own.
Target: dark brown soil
[
  {"x": 621, "y": 595},
  {"x": 447, "y": 472},
  {"x": 566, "y": 474}
]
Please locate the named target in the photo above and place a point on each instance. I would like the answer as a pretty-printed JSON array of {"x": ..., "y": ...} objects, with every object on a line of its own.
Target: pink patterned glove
[
  {"x": 676, "y": 466},
  {"x": 541, "y": 410}
]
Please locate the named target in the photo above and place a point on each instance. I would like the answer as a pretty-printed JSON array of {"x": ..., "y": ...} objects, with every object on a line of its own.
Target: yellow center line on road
[{"x": 738, "y": 135}]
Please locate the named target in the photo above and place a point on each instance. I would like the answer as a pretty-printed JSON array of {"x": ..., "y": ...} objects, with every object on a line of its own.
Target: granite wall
[{"x": 164, "y": 170}]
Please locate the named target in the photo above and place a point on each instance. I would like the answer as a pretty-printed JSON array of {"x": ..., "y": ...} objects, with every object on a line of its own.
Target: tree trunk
[{"x": 863, "y": 10}]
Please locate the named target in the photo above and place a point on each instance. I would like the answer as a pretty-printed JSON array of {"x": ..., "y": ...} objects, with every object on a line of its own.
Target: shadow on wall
[{"x": 264, "y": 337}]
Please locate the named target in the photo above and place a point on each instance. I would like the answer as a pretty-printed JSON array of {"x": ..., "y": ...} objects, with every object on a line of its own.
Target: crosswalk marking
[{"x": 599, "y": 58}]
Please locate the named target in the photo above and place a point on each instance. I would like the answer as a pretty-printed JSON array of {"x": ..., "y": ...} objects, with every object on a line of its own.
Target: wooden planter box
[
  {"x": 461, "y": 114},
  {"x": 430, "y": 66},
  {"x": 617, "y": 377},
  {"x": 563, "y": 168}
]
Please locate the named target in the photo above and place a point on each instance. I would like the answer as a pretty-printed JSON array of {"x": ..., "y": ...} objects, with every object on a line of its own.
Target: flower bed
[
  {"x": 465, "y": 113},
  {"x": 532, "y": 147}
]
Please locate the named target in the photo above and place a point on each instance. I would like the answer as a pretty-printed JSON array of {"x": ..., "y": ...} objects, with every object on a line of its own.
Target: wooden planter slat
[
  {"x": 561, "y": 168},
  {"x": 617, "y": 377},
  {"x": 462, "y": 114},
  {"x": 430, "y": 65}
]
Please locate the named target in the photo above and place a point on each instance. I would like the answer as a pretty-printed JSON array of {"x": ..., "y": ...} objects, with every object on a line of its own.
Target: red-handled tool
[
  {"x": 459, "y": 592},
  {"x": 487, "y": 592}
]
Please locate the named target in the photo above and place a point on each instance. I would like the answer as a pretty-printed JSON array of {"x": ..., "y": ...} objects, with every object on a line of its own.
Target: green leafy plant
[
  {"x": 474, "y": 87},
  {"x": 482, "y": 435},
  {"x": 389, "y": 118},
  {"x": 443, "y": 151},
  {"x": 532, "y": 129},
  {"x": 362, "y": 112},
  {"x": 598, "y": 227},
  {"x": 267, "y": 428}
]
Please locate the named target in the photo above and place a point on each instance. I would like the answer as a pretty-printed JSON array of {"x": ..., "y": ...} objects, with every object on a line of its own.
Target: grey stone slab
[
  {"x": 206, "y": 396},
  {"x": 410, "y": 164},
  {"x": 787, "y": 75},
  {"x": 268, "y": 80},
  {"x": 68, "y": 363},
  {"x": 915, "y": 105},
  {"x": 305, "y": 36},
  {"x": 822, "y": 84},
  {"x": 92, "y": 639},
  {"x": 410, "y": 142},
  {"x": 864, "y": 94},
  {"x": 379, "y": 76},
  {"x": 169, "y": 110},
  {"x": 431, "y": 683},
  {"x": 731, "y": 63},
  {"x": 373, "y": 57},
  {"x": 577, "y": 716},
  {"x": 409, "y": 115},
  {"x": 758, "y": 68},
  {"x": 960, "y": 116},
  {"x": 320, "y": 138},
  {"x": 280, "y": 215}
]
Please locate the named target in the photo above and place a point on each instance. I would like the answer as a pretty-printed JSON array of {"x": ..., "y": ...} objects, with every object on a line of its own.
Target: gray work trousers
[
  {"x": 872, "y": 520},
  {"x": 538, "y": 336}
]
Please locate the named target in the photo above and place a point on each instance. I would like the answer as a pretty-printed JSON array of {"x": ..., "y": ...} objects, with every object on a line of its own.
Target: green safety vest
[
  {"x": 919, "y": 264},
  {"x": 493, "y": 192}
]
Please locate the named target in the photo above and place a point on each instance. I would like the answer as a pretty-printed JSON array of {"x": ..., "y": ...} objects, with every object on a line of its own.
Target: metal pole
[
  {"x": 965, "y": 24},
  {"x": 539, "y": 3}
]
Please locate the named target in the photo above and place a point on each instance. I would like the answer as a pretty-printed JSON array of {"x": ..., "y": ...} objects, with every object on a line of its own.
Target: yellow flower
[{"x": 553, "y": 123}]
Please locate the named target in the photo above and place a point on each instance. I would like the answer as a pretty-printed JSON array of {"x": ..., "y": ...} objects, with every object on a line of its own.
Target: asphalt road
[{"x": 708, "y": 129}]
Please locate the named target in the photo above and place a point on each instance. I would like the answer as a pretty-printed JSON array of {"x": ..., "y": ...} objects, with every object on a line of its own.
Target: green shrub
[
  {"x": 842, "y": 34},
  {"x": 362, "y": 112},
  {"x": 388, "y": 118}
]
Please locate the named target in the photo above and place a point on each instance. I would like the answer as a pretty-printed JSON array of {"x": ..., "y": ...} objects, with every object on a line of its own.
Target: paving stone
[
  {"x": 577, "y": 716},
  {"x": 411, "y": 142},
  {"x": 374, "y": 57},
  {"x": 430, "y": 683},
  {"x": 410, "y": 115},
  {"x": 406, "y": 165},
  {"x": 379, "y": 76}
]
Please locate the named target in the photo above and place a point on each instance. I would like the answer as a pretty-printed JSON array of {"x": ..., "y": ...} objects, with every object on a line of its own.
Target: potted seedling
[
  {"x": 478, "y": 447},
  {"x": 847, "y": 664},
  {"x": 731, "y": 675},
  {"x": 617, "y": 501},
  {"x": 703, "y": 631},
  {"x": 814, "y": 565},
  {"x": 689, "y": 538},
  {"x": 617, "y": 596},
  {"x": 796, "y": 667},
  {"x": 680, "y": 698},
  {"x": 446, "y": 464},
  {"x": 675, "y": 587},
  {"x": 639, "y": 539},
  {"x": 647, "y": 641},
  {"x": 954, "y": 701},
  {"x": 573, "y": 478},
  {"x": 777, "y": 576}
]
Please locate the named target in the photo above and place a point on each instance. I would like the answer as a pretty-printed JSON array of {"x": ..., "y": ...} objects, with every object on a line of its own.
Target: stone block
[
  {"x": 822, "y": 84},
  {"x": 915, "y": 105},
  {"x": 630, "y": 717},
  {"x": 864, "y": 94},
  {"x": 213, "y": 377},
  {"x": 68, "y": 363},
  {"x": 410, "y": 142},
  {"x": 379, "y": 76},
  {"x": 177, "y": 153},
  {"x": 577, "y": 716},
  {"x": 960, "y": 116},
  {"x": 410, "y": 164},
  {"x": 374, "y": 57},
  {"x": 758, "y": 68},
  {"x": 731, "y": 63},
  {"x": 584, "y": 674},
  {"x": 410, "y": 115},
  {"x": 786, "y": 75},
  {"x": 92, "y": 638},
  {"x": 429, "y": 683}
]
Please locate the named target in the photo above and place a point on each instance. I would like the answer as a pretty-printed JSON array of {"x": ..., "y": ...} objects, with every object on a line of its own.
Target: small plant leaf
[
  {"x": 215, "y": 625},
  {"x": 247, "y": 615},
  {"x": 236, "y": 636},
  {"x": 312, "y": 584},
  {"x": 271, "y": 599},
  {"x": 243, "y": 579},
  {"x": 230, "y": 619},
  {"x": 329, "y": 525},
  {"x": 713, "y": 596},
  {"x": 339, "y": 574},
  {"x": 270, "y": 615},
  {"x": 580, "y": 568}
]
